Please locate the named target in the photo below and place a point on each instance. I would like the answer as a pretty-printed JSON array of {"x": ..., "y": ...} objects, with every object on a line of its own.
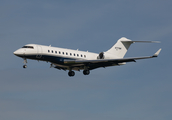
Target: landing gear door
[{"x": 39, "y": 51}]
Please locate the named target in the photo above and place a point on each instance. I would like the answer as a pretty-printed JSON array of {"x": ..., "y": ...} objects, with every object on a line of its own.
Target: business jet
[{"x": 68, "y": 59}]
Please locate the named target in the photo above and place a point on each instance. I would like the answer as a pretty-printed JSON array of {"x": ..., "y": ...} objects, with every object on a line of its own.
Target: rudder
[{"x": 120, "y": 48}]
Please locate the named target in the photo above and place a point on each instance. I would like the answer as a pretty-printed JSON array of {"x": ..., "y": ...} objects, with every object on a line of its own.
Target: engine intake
[{"x": 101, "y": 56}]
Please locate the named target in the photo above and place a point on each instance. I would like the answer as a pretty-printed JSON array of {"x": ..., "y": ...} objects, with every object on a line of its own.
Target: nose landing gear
[
  {"x": 24, "y": 66},
  {"x": 25, "y": 61}
]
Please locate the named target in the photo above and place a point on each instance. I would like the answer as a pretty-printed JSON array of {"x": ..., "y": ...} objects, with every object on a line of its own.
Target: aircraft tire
[
  {"x": 71, "y": 73},
  {"x": 86, "y": 72},
  {"x": 24, "y": 66}
]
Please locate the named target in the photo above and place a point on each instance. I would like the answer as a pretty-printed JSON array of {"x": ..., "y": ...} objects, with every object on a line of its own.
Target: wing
[{"x": 93, "y": 64}]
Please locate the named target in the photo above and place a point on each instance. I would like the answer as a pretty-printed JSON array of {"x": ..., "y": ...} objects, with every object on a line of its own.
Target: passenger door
[{"x": 39, "y": 51}]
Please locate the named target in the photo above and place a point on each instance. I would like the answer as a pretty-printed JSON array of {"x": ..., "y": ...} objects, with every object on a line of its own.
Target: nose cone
[
  {"x": 18, "y": 52},
  {"x": 15, "y": 52}
]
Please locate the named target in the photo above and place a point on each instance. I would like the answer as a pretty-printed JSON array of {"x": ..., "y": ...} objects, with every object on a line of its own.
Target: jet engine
[{"x": 101, "y": 56}]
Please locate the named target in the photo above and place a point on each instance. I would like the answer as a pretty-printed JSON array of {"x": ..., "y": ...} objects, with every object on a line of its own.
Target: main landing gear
[
  {"x": 25, "y": 61},
  {"x": 86, "y": 72},
  {"x": 71, "y": 73}
]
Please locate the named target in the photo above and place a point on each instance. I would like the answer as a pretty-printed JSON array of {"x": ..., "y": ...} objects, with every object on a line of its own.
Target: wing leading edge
[{"x": 106, "y": 62}]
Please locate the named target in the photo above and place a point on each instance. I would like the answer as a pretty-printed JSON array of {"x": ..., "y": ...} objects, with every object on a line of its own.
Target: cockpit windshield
[{"x": 31, "y": 47}]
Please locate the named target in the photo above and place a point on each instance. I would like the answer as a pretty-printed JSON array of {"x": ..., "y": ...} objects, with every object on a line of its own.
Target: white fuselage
[{"x": 54, "y": 55}]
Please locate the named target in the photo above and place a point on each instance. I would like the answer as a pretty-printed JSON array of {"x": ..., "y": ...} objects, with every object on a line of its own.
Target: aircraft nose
[
  {"x": 18, "y": 52},
  {"x": 15, "y": 52}
]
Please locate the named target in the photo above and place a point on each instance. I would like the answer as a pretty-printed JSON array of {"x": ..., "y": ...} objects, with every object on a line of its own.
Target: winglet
[{"x": 157, "y": 53}]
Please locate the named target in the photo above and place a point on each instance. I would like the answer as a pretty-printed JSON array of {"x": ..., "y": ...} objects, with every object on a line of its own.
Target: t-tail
[{"x": 122, "y": 45}]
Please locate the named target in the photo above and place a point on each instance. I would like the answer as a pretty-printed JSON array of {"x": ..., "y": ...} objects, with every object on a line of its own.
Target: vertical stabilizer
[{"x": 120, "y": 48}]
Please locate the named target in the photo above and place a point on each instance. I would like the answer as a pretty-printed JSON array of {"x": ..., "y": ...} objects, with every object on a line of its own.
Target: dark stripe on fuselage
[{"x": 49, "y": 58}]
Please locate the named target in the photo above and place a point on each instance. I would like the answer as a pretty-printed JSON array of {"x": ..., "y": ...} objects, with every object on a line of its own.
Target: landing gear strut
[
  {"x": 71, "y": 73},
  {"x": 86, "y": 72},
  {"x": 25, "y": 61}
]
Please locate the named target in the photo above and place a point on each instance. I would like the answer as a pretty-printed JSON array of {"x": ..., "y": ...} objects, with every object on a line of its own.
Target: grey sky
[{"x": 141, "y": 90}]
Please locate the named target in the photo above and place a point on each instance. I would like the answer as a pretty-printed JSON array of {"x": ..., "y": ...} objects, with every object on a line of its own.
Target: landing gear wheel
[
  {"x": 86, "y": 72},
  {"x": 24, "y": 66},
  {"x": 71, "y": 73},
  {"x": 25, "y": 61}
]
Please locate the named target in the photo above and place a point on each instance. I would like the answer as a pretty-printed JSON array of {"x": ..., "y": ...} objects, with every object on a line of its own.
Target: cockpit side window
[{"x": 31, "y": 47}]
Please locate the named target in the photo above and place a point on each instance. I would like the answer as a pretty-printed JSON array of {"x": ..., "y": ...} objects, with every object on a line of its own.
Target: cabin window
[
  {"x": 59, "y": 52},
  {"x": 56, "y": 52},
  {"x": 52, "y": 51},
  {"x": 81, "y": 55},
  {"x": 31, "y": 47},
  {"x": 74, "y": 54},
  {"x": 48, "y": 50},
  {"x": 63, "y": 53},
  {"x": 85, "y": 56},
  {"x": 77, "y": 55},
  {"x": 70, "y": 54},
  {"x": 66, "y": 53}
]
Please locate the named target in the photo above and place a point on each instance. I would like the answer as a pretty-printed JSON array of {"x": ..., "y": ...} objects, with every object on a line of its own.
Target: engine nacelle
[{"x": 101, "y": 56}]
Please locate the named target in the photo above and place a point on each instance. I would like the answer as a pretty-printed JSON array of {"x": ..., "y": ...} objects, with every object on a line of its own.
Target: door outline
[{"x": 39, "y": 51}]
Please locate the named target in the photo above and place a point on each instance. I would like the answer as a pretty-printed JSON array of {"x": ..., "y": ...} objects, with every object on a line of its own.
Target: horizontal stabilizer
[{"x": 142, "y": 41}]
